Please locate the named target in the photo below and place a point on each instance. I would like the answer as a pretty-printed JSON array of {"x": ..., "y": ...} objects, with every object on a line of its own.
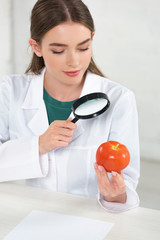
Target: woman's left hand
[{"x": 113, "y": 190}]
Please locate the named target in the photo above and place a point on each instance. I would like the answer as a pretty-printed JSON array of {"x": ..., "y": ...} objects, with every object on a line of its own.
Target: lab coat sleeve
[
  {"x": 19, "y": 158},
  {"x": 124, "y": 129}
]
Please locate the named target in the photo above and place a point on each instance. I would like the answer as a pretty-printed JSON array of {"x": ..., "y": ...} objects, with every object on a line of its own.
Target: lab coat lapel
[
  {"x": 91, "y": 84},
  {"x": 34, "y": 102}
]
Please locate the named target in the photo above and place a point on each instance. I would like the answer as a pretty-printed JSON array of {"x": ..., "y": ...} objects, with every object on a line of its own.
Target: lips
[{"x": 72, "y": 73}]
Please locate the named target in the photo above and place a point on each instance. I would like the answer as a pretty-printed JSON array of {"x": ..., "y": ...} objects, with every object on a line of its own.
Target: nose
[{"x": 73, "y": 59}]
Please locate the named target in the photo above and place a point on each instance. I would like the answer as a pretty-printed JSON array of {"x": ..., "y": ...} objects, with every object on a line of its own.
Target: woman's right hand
[{"x": 59, "y": 134}]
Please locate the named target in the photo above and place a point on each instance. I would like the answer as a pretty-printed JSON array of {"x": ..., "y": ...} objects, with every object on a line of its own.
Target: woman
[{"x": 39, "y": 142}]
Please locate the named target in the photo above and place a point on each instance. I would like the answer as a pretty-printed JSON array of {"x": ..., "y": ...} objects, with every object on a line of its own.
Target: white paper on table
[{"x": 54, "y": 226}]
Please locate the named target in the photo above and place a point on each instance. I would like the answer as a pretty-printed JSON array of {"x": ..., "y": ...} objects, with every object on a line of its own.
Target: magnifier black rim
[{"x": 86, "y": 98}]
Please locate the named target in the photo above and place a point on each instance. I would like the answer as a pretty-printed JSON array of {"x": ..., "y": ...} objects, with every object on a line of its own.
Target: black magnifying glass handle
[{"x": 74, "y": 120}]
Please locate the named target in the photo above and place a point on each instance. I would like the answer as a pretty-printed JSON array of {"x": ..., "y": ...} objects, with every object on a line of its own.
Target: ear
[{"x": 35, "y": 46}]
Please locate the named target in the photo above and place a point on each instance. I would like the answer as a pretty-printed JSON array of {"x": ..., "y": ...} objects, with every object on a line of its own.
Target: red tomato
[{"x": 113, "y": 156}]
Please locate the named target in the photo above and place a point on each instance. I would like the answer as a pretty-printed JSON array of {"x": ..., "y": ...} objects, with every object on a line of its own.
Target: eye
[
  {"x": 84, "y": 49},
  {"x": 57, "y": 52}
]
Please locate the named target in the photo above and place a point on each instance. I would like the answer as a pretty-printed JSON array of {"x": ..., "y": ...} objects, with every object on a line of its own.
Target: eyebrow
[{"x": 65, "y": 45}]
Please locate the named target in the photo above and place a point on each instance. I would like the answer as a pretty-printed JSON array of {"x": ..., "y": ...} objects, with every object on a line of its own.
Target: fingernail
[
  {"x": 100, "y": 168},
  {"x": 114, "y": 174}
]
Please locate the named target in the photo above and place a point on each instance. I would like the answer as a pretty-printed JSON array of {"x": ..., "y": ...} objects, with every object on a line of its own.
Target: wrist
[{"x": 122, "y": 198}]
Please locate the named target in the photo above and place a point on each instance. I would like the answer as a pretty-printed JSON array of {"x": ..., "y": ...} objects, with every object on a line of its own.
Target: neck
[{"x": 61, "y": 91}]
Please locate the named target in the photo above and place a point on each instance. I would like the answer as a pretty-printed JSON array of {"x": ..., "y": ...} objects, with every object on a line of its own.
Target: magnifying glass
[{"x": 90, "y": 106}]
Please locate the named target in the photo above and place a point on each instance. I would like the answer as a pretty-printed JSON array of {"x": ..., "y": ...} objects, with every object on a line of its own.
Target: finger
[
  {"x": 117, "y": 179},
  {"x": 65, "y": 132},
  {"x": 65, "y": 124},
  {"x": 61, "y": 144},
  {"x": 121, "y": 173},
  {"x": 63, "y": 138},
  {"x": 116, "y": 176},
  {"x": 70, "y": 125},
  {"x": 102, "y": 180},
  {"x": 69, "y": 119},
  {"x": 101, "y": 174}
]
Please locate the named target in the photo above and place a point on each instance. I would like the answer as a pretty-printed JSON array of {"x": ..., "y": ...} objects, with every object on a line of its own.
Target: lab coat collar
[{"x": 91, "y": 84}]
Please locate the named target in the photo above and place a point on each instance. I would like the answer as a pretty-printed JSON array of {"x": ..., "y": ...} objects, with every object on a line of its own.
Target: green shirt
[{"x": 56, "y": 110}]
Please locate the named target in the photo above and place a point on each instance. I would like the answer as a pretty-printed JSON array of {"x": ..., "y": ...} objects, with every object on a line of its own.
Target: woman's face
[{"x": 67, "y": 51}]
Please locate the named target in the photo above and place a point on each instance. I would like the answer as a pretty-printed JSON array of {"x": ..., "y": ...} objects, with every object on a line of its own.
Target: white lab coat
[{"x": 23, "y": 119}]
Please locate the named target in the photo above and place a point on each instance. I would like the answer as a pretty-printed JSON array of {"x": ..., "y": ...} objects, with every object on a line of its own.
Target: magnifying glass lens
[{"x": 91, "y": 107}]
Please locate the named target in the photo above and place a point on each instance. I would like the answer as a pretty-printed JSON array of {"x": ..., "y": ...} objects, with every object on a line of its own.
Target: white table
[{"x": 17, "y": 201}]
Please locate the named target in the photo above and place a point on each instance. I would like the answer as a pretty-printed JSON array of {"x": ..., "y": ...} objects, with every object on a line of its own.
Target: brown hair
[{"x": 47, "y": 14}]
